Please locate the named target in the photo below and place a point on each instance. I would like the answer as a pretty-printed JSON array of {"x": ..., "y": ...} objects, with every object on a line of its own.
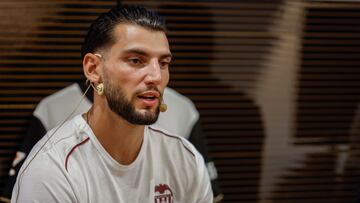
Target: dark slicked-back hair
[{"x": 100, "y": 33}]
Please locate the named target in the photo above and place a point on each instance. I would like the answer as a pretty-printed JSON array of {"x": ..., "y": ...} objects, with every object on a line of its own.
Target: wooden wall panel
[
  {"x": 327, "y": 110},
  {"x": 222, "y": 51}
]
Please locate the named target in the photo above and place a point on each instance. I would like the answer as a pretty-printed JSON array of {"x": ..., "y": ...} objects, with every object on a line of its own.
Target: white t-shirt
[{"x": 74, "y": 167}]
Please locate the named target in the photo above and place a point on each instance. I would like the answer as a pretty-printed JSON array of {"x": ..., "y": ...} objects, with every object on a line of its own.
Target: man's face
[{"x": 135, "y": 73}]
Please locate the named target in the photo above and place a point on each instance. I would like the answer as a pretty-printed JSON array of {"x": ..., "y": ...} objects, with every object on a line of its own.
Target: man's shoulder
[
  {"x": 41, "y": 174},
  {"x": 62, "y": 138},
  {"x": 173, "y": 143},
  {"x": 48, "y": 157}
]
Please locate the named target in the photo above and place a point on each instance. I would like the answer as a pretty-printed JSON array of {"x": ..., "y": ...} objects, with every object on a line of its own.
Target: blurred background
[{"x": 276, "y": 82}]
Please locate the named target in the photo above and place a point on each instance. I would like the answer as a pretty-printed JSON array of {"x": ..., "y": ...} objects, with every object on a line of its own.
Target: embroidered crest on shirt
[{"x": 163, "y": 194}]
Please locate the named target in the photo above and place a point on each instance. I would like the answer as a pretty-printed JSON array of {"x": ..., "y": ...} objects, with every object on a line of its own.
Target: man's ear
[{"x": 92, "y": 68}]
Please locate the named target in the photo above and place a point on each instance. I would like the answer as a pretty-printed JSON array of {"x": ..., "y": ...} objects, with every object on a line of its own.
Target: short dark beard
[{"x": 120, "y": 105}]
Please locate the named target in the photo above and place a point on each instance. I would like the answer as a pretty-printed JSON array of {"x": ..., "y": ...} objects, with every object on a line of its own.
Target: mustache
[{"x": 149, "y": 89}]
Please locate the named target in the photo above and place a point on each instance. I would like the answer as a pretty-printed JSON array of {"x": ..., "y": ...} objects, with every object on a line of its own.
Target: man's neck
[{"x": 120, "y": 139}]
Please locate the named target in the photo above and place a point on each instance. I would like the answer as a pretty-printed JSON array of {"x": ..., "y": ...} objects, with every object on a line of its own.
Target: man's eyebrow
[
  {"x": 136, "y": 51},
  {"x": 143, "y": 53},
  {"x": 168, "y": 55}
]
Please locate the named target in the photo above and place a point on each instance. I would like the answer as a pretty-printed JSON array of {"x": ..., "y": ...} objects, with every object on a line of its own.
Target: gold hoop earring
[{"x": 100, "y": 89}]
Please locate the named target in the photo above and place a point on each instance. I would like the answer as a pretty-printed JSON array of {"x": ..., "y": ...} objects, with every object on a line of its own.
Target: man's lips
[
  {"x": 149, "y": 98},
  {"x": 149, "y": 95}
]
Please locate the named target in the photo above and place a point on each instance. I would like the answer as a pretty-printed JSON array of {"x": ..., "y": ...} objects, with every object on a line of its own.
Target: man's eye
[
  {"x": 135, "y": 61},
  {"x": 164, "y": 64}
]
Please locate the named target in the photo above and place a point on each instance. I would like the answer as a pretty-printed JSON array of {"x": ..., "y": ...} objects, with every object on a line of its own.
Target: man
[
  {"x": 110, "y": 154},
  {"x": 181, "y": 118}
]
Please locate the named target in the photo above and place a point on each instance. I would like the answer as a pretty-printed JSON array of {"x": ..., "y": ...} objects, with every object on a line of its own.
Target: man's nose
[{"x": 154, "y": 73}]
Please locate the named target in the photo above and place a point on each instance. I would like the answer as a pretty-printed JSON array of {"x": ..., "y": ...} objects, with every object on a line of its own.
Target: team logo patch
[{"x": 163, "y": 194}]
